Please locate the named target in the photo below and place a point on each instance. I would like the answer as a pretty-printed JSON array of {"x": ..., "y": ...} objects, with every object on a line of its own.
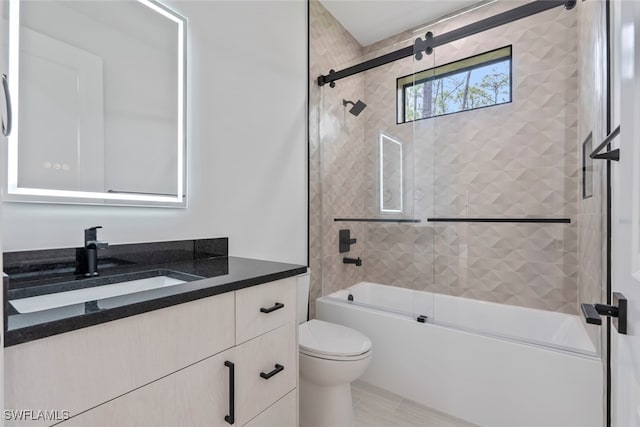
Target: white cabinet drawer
[
  {"x": 262, "y": 308},
  {"x": 195, "y": 396},
  {"x": 80, "y": 369},
  {"x": 280, "y": 414},
  {"x": 261, "y": 355}
]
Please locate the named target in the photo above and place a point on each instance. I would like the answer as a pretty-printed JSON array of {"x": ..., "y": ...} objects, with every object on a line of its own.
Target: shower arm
[{"x": 431, "y": 42}]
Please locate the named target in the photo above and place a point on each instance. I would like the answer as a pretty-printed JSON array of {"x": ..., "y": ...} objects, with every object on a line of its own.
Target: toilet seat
[{"x": 329, "y": 341}]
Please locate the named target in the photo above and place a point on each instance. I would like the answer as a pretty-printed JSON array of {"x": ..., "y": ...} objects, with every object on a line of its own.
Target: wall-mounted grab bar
[
  {"x": 415, "y": 221},
  {"x": 6, "y": 126},
  {"x": 508, "y": 220}
]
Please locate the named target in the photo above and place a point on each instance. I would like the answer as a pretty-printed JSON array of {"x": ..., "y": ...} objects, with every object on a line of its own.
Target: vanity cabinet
[
  {"x": 167, "y": 367},
  {"x": 280, "y": 414},
  {"x": 272, "y": 355},
  {"x": 194, "y": 396},
  {"x": 263, "y": 308}
]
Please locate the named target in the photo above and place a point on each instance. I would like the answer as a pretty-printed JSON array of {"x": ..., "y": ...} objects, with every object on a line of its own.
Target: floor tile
[{"x": 376, "y": 407}]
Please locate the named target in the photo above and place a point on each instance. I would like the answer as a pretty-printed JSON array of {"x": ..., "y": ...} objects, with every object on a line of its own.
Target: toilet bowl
[{"x": 331, "y": 357}]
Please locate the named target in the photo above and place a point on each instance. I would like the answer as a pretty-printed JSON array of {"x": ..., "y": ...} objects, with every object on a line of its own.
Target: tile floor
[{"x": 375, "y": 407}]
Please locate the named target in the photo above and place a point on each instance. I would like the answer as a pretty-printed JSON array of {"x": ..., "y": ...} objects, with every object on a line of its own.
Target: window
[{"x": 475, "y": 82}]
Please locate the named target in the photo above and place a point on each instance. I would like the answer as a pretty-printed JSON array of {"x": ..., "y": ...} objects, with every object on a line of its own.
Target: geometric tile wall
[
  {"x": 330, "y": 46},
  {"x": 517, "y": 159}
]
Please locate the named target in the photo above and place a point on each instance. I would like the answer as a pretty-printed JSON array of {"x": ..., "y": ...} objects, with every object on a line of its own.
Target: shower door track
[{"x": 431, "y": 42}]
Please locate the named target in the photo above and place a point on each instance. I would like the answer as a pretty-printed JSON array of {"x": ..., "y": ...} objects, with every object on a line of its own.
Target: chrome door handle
[{"x": 6, "y": 126}]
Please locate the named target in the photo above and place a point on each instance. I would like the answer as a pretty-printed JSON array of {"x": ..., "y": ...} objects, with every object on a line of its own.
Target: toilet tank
[{"x": 303, "y": 282}]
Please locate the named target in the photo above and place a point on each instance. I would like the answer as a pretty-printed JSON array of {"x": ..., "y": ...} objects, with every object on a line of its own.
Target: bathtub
[{"x": 492, "y": 364}]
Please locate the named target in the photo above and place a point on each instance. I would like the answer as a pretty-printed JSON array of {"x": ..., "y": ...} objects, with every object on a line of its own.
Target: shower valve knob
[{"x": 345, "y": 241}]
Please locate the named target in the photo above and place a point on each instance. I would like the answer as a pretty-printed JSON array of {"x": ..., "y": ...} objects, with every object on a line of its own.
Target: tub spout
[{"x": 356, "y": 261}]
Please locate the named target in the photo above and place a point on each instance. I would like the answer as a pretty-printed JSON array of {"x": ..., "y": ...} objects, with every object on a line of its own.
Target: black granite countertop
[{"x": 205, "y": 275}]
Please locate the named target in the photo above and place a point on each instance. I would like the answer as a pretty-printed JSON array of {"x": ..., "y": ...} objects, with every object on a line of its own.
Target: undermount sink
[{"x": 100, "y": 288}]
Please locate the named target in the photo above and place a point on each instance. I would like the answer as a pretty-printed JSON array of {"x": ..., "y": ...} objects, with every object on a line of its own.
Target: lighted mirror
[
  {"x": 390, "y": 174},
  {"x": 98, "y": 90}
]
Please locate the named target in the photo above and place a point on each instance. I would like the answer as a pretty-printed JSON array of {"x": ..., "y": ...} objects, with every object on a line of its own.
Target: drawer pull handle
[
  {"x": 278, "y": 368},
  {"x": 231, "y": 418},
  {"x": 276, "y": 306}
]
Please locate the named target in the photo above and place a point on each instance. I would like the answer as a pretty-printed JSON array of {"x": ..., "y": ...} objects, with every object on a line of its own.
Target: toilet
[{"x": 331, "y": 357}]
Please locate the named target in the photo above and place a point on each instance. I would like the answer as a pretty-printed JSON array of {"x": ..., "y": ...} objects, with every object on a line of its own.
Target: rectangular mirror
[
  {"x": 98, "y": 90},
  {"x": 390, "y": 174}
]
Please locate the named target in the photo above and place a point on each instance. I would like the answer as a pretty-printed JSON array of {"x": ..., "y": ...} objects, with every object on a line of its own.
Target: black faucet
[
  {"x": 356, "y": 261},
  {"x": 91, "y": 246}
]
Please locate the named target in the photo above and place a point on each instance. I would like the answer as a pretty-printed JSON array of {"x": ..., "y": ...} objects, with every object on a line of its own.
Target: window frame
[{"x": 401, "y": 89}]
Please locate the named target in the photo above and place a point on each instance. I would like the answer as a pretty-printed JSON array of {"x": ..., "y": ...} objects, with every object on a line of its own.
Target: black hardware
[
  {"x": 278, "y": 368},
  {"x": 6, "y": 127},
  {"x": 91, "y": 234},
  {"x": 507, "y": 17},
  {"x": 357, "y": 108},
  {"x": 620, "y": 322},
  {"x": 276, "y": 306},
  {"x": 356, "y": 261},
  {"x": 350, "y": 297},
  {"x": 231, "y": 418},
  {"x": 609, "y": 216},
  {"x": 511, "y": 220},
  {"x": 591, "y": 315},
  {"x": 415, "y": 221},
  {"x": 422, "y": 319},
  {"x": 431, "y": 42},
  {"x": 91, "y": 246},
  {"x": 428, "y": 49},
  {"x": 345, "y": 241},
  {"x": 609, "y": 155},
  {"x": 618, "y": 311},
  {"x": 364, "y": 66}
]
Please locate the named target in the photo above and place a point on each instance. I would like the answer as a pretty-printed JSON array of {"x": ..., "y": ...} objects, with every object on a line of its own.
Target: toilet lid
[{"x": 328, "y": 339}]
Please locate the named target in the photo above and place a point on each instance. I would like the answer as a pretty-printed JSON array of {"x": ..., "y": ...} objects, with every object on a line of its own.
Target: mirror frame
[{"x": 14, "y": 193}]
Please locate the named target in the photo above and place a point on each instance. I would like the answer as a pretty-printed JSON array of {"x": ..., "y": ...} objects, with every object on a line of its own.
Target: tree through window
[{"x": 475, "y": 82}]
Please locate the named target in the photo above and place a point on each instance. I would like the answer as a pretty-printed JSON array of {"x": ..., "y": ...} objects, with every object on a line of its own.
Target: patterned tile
[{"x": 518, "y": 159}]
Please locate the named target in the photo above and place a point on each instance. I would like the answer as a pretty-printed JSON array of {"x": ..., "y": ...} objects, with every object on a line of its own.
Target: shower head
[{"x": 357, "y": 108}]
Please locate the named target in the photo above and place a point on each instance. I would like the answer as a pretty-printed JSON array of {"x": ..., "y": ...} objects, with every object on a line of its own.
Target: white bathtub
[{"x": 491, "y": 364}]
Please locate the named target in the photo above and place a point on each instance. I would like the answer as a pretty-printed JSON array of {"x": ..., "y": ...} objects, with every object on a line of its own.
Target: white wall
[{"x": 246, "y": 143}]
